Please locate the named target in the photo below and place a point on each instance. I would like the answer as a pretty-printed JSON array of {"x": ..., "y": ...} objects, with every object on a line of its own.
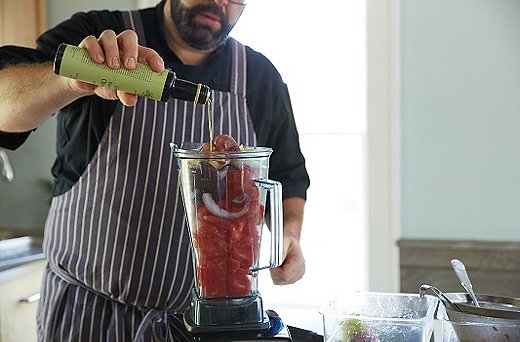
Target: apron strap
[
  {"x": 151, "y": 317},
  {"x": 239, "y": 69},
  {"x": 132, "y": 20}
]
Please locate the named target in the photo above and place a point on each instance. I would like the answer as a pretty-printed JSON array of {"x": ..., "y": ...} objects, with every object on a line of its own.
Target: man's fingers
[
  {"x": 108, "y": 41},
  {"x": 116, "y": 51},
  {"x": 128, "y": 47},
  {"x": 293, "y": 266},
  {"x": 152, "y": 58},
  {"x": 123, "y": 49},
  {"x": 127, "y": 99},
  {"x": 111, "y": 94},
  {"x": 94, "y": 49},
  {"x": 287, "y": 275}
]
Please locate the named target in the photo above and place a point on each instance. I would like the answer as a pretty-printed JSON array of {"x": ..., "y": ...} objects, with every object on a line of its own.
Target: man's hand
[
  {"x": 293, "y": 266},
  {"x": 25, "y": 104},
  {"x": 116, "y": 51}
]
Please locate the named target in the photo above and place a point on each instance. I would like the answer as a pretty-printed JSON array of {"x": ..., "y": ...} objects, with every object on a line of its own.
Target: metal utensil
[
  {"x": 448, "y": 303},
  {"x": 6, "y": 170},
  {"x": 491, "y": 306},
  {"x": 460, "y": 270}
]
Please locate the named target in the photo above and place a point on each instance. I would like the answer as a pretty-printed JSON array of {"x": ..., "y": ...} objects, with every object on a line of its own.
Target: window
[{"x": 319, "y": 49}]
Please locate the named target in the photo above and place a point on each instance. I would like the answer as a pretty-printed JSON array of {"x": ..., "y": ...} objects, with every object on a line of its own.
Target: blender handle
[{"x": 276, "y": 221}]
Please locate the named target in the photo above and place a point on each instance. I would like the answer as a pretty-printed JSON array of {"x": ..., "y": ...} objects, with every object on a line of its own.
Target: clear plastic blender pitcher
[{"x": 224, "y": 195}]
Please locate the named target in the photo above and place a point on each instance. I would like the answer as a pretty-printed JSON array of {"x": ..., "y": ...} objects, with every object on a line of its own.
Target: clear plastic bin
[{"x": 379, "y": 317}]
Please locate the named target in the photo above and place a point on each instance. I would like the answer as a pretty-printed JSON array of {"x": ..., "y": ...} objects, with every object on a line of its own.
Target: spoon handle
[{"x": 460, "y": 270}]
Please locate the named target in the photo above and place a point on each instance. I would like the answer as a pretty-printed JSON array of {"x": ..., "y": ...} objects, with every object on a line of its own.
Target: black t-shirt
[{"x": 81, "y": 124}]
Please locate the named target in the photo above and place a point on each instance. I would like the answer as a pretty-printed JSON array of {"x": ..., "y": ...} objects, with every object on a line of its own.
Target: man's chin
[
  {"x": 204, "y": 46},
  {"x": 206, "y": 42}
]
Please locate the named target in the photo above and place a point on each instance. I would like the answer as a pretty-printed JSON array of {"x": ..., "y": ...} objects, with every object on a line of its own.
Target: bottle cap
[{"x": 189, "y": 91}]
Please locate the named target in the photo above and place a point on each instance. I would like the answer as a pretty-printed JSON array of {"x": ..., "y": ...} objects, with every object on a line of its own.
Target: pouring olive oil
[
  {"x": 74, "y": 62},
  {"x": 210, "y": 124}
]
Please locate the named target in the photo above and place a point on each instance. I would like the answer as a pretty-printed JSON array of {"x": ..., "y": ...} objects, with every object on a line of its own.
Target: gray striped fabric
[{"x": 120, "y": 230}]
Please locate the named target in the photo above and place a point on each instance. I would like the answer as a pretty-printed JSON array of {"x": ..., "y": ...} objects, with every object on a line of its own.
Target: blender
[{"x": 224, "y": 196}]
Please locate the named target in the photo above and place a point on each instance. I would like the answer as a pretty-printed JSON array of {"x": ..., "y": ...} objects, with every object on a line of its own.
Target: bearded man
[{"x": 116, "y": 241}]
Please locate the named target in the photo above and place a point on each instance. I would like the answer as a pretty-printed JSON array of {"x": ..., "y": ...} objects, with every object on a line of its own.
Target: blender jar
[{"x": 224, "y": 195}]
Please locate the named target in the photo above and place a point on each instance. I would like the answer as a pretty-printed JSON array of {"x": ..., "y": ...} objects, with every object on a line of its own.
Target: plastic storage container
[{"x": 379, "y": 317}]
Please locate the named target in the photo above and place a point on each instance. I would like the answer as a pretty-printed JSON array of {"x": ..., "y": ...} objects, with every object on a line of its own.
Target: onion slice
[
  {"x": 240, "y": 199},
  {"x": 220, "y": 212}
]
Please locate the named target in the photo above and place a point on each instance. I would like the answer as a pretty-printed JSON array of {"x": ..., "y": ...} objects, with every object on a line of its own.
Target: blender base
[
  {"x": 225, "y": 314},
  {"x": 233, "y": 319},
  {"x": 276, "y": 330}
]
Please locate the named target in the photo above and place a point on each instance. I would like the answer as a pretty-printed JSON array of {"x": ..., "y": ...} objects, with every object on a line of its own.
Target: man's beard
[{"x": 196, "y": 35}]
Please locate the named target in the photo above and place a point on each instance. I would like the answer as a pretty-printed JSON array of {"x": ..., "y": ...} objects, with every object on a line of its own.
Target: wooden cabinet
[
  {"x": 19, "y": 298},
  {"x": 22, "y": 21}
]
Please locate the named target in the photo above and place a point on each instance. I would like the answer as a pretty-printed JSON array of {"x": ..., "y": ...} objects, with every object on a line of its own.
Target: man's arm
[
  {"x": 293, "y": 266},
  {"x": 30, "y": 94}
]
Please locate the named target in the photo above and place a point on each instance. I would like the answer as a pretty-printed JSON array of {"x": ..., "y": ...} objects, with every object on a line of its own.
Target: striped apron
[{"x": 117, "y": 244}]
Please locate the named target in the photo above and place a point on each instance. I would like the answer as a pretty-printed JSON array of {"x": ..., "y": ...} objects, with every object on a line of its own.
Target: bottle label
[{"x": 143, "y": 81}]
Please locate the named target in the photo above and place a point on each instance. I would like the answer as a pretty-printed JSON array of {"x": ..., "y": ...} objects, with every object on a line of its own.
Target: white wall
[
  {"x": 382, "y": 164},
  {"x": 460, "y": 119}
]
